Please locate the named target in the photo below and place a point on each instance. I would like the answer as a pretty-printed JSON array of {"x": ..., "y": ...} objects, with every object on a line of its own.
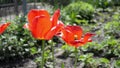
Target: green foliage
[
  {"x": 57, "y": 3},
  {"x": 67, "y": 50},
  {"x": 16, "y": 41},
  {"x": 103, "y": 3},
  {"x": 93, "y": 62},
  {"x": 77, "y": 12},
  {"x": 85, "y": 57},
  {"x": 30, "y": 1},
  {"x": 93, "y": 53},
  {"x": 112, "y": 28},
  {"x": 48, "y": 59},
  {"x": 116, "y": 15},
  {"x": 113, "y": 25},
  {"x": 117, "y": 63},
  {"x": 108, "y": 48}
]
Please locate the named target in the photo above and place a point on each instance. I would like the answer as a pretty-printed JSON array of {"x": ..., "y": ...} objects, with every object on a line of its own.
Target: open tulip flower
[
  {"x": 41, "y": 25},
  {"x": 3, "y": 27},
  {"x": 72, "y": 35}
]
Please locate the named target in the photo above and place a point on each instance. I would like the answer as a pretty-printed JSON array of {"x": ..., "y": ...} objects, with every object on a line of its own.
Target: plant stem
[
  {"x": 76, "y": 56},
  {"x": 53, "y": 55},
  {"x": 62, "y": 66},
  {"x": 43, "y": 42}
]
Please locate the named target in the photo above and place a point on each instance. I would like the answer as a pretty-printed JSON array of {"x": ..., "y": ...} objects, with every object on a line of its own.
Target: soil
[{"x": 21, "y": 63}]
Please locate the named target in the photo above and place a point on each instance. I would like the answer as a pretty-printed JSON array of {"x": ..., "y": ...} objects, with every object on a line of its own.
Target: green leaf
[
  {"x": 104, "y": 60},
  {"x": 33, "y": 50},
  {"x": 117, "y": 63}
]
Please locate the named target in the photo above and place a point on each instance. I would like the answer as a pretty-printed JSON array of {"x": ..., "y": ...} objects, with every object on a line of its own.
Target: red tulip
[
  {"x": 3, "y": 27},
  {"x": 73, "y": 36},
  {"x": 41, "y": 25}
]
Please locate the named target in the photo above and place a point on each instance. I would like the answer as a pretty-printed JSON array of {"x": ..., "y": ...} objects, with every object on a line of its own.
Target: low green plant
[
  {"x": 77, "y": 12},
  {"x": 117, "y": 63},
  {"x": 108, "y": 48},
  {"x": 17, "y": 42},
  {"x": 88, "y": 60},
  {"x": 100, "y": 54},
  {"x": 68, "y": 50},
  {"x": 116, "y": 16},
  {"x": 56, "y": 3},
  {"x": 112, "y": 28},
  {"x": 103, "y": 3}
]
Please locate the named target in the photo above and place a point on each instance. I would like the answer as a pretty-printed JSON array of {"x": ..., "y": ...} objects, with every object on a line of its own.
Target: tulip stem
[
  {"x": 62, "y": 66},
  {"x": 76, "y": 56},
  {"x": 53, "y": 55},
  {"x": 43, "y": 44}
]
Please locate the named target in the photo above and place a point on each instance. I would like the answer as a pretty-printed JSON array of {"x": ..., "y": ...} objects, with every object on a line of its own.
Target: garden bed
[{"x": 102, "y": 52}]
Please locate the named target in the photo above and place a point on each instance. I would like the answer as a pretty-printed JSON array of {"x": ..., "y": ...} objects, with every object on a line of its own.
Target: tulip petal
[
  {"x": 3, "y": 27},
  {"x": 82, "y": 41},
  {"x": 35, "y": 12},
  {"x": 54, "y": 30},
  {"x": 76, "y": 30},
  {"x": 67, "y": 35},
  {"x": 40, "y": 26},
  {"x": 87, "y": 37},
  {"x": 55, "y": 17},
  {"x": 76, "y": 43}
]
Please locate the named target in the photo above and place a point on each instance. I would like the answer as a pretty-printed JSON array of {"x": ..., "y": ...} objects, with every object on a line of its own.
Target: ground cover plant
[
  {"x": 18, "y": 43},
  {"x": 78, "y": 12}
]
